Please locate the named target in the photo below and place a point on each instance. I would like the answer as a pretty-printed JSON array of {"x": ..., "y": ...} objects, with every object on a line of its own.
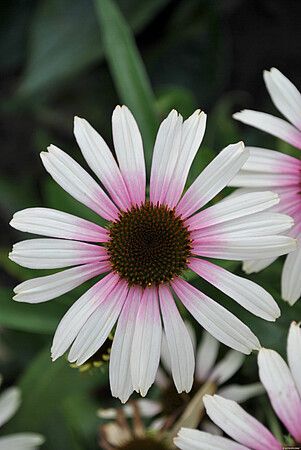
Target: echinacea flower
[
  {"x": 145, "y": 249},
  {"x": 10, "y": 401},
  {"x": 269, "y": 169},
  {"x": 283, "y": 385}
]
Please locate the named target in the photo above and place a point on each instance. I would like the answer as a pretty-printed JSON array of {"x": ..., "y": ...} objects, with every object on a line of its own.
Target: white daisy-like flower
[
  {"x": 283, "y": 385},
  {"x": 10, "y": 401},
  {"x": 269, "y": 169},
  {"x": 145, "y": 249}
]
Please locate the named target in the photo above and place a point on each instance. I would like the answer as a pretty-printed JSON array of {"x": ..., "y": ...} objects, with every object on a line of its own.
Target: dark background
[{"x": 207, "y": 54}]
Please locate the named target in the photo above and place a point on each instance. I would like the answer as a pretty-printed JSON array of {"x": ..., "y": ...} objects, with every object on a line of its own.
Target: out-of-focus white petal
[
  {"x": 294, "y": 353},
  {"x": 227, "y": 367},
  {"x": 291, "y": 279},
  {"x": 189, "y": 439},
  {"x": 279, "y": 384},
  {"x": 240, "y": 393},
  {"x": 239, "y": 425},
  {"x": 255, "y": 266},
  {"x": 21, "y": 441},
  {"x": 10, "y": 401},
  {"x": 206, "y": 356}
]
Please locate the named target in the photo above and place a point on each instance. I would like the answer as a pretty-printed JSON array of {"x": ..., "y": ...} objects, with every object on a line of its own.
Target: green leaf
[
  {"x": 128, "y": 71},
  {"x": 41, "y": 318}
]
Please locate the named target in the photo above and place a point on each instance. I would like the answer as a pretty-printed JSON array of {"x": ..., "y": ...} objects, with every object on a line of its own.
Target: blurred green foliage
[{"x": 61, "y": 58}]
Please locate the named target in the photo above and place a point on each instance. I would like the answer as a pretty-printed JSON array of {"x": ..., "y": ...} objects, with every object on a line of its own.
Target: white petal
[
  {"x": 100, "y": 159},
  {"x": 219, "y": 322},
  {"x": 55, "y": 253},
  {"x": 46, "y": 288},
  {"x": 268, "y": 161},
  {"x": 10, "y": 401},
  {"x": 189, "y": 439},
  {"x": 129, "y": 150},
  {"x": 245, "y": 292},
  {"x": 165, "y": 155},
  {"x": 232, "y": 208},
  {"x": 58, "y": 224},
  {"x": 77, "y": 182},
  {"x": 120, "y": 372},
  {"x": 146, "y": 345},
  {"x": 98, "y": 326},
  {"x": 213, "y": 179},
  {"x": 79, "y": 313},
  {"x": 206, "y": 356},
  {"x": 193, "y": 130},
  {"x": 255, "y": 266},
  {"x": 279, "y": 384},
  {"x": 178, "y": 342},
  {"x": 284, "y": 94},
  {"x": 291, "y": 279},
  {"x": 21, "y": 441},
  {"x": 273, "y": 125},
  {"x": 239, "y": 425},
  {"x": 261, "y": 224},
  {"x": 294, "y": 353},
  {"x": 227, "y": 367},
  {"x": 239, "y": 393},
  {"x": 246, "y": 178},
  {"x": 241, "y": 248}
]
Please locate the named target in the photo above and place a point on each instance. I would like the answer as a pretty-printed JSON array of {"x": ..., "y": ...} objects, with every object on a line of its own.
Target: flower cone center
[{"x": 149, "y": 245}]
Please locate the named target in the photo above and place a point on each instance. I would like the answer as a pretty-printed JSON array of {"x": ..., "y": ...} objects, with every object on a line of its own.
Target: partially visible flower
[
  {"x": 269, "y": 169},
  {"x": 207, "y": 370},
  {"x": 283, "y": 385},
  {"x": 145, "y": 249},
  {"x": 120, "y": 435},
  {"x": 10, "y": 401}
]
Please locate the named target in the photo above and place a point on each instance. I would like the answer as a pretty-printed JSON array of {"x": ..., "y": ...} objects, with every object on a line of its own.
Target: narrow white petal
[
  {"x": 279, "y": 384},
  {"x": 21, "y": 441},
  {"x": 46, "y": 288},
  {"x": 100, "y": 159},
  {"x": 129, "y": 150},
  {"x": 55, "y": 253},
  {"x": 79, "y": 313},
  {"x": 178, "y": 342},
  {"x": 193, "y": 130},
  {"x": 58, "y": 224},
  {"x": 254, "y": 179},
  {"x": 98, "y": 326},
  {"x": 242, "y": 248},
  {"x": 294, "y": 353},
  {"x": 219, "y": 322},
  {"x": 260, "y": 224},
  {"x": 239, "y": 425},
  {"x": 273, "y": 125},
  {"x": 245, "y": 292},
  {"x": 239, "y": 393},
  {"x": 146, "y": 344},
  {"x": 165, "y": 155},
  {"x": 227, "y": 367},
  {"x": 255, "y": 266},
  {"x": 284, "y": 94},
  {"x": 10, "y": 401},
  {"x": 189, "y": 439},
  {"x": 206, "y": 356},
  {"x": 120, "y": 372},
  {"x": 291, "y": 279},
  {"x": 77, "y": 182},
  {"x": 232, "y": 208},
  {"x": 213, "y": 179}
]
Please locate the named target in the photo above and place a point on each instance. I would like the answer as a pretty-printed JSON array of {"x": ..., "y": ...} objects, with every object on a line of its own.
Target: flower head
[
  {"x": 269, "y": 169},
  {"x": 145, "y": 248},
  {"x": 283, "y": 385},
  {"x": 10, "y": 401}
]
